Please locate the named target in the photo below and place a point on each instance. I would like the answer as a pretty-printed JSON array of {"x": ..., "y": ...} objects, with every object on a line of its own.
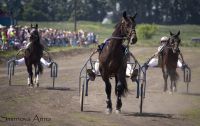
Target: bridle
[
  {"x": 173, "y": 44},
  {"x": 34, "y": 35},
  {"x": 127, "y": 36},
  {"x": 130, "y": 32}
]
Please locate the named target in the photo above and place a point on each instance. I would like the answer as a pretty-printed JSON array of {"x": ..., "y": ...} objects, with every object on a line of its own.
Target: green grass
[
  {"x": 6, "y": 54},
  {"x": 194, "y": 115}
]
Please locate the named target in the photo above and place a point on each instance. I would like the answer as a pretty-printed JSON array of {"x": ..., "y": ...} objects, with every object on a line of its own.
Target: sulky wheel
[
  {"x": 142, "y": 89},
  {"x": 11, "y": 66},
  {"x": 141, "y": 97},
  {"x": 54, "y": 72},
  {"x": 82, "y": 94},
  {"x": 187, "y": 76}
]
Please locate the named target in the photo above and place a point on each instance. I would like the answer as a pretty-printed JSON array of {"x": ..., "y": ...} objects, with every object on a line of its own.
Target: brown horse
[
  {"x": 113, "y": 59},
  {"x": 169, "y": 56},
  {"x": 33, "y": 53}
]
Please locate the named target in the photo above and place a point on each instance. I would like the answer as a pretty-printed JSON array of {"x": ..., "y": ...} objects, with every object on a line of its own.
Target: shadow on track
[{"x": 155, "y": 115}]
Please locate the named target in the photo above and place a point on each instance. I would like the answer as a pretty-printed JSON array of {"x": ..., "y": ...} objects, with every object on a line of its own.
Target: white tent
[{"x": 1, "y": 26}]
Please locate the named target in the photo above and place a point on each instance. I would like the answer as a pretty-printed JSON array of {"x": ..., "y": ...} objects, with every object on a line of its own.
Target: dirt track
[{"x": 44, "y": 106}]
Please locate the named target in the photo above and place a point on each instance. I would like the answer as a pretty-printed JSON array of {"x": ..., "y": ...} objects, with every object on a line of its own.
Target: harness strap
[{"x": 114, "y": 38}]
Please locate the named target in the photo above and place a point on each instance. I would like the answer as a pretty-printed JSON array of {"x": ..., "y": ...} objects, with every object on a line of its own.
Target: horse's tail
[
  {"x": 174, "y": 75},
  {"x": 123, "y": 88},
  {"x": 40, "y": 68},
  {"x": 125, "y": 91}
]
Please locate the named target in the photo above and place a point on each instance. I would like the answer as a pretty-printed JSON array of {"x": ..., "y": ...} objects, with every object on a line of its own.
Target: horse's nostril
[{"x": 134, "y": 40}]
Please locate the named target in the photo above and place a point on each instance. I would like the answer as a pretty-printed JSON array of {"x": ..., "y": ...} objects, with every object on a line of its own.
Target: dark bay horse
[
  {"x": 33, "y": 53},
  {"x": 169, "y": 56},
  {"x": 113, "y": 59}
]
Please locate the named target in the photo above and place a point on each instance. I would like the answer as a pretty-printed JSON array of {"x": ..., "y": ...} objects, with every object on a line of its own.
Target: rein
[
  {"x": 170, "y": 46},
  {"x": 116, "y": 37},
  {"x": 122, "y": 38}
]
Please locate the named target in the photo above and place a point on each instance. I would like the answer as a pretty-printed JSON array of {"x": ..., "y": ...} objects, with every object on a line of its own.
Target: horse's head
[
  {"x": 174, "y": 41},
  {"x": 34, "y": 34},
  {"x": 128, "y": 27}
]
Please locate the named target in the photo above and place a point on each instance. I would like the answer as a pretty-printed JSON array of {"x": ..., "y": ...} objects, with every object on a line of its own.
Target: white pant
[
  {"x": 154, "y": 63},
  {"x": 42, "y": 60},
  {"x": 96, "y": 67},
  {"x": 129, "y": 69}
]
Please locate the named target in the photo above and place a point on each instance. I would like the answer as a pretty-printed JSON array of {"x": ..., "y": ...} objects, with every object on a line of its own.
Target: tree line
[{"x": 149, "y": 11}]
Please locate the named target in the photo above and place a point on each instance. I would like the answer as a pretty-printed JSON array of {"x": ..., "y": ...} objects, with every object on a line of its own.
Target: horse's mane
[
  {"x": 117, "y": 27},
  {"x": 118, "y": 24}
]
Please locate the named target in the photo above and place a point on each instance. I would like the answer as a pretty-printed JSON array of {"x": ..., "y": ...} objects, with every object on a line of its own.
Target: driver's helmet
[{"x": 164, "y": 39}]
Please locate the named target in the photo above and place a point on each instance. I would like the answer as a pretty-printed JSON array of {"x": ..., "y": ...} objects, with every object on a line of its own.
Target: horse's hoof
[
  {"x": 174, "y": 89},
  {"x": 118, "y": 111},
  {"x": 38, "y": 85},
  {"x": 170, "y": 92},
  {"x": 164, "y": 92},
  {"x": 30, "y": 85},
  {"x": 108, "y": 111}
]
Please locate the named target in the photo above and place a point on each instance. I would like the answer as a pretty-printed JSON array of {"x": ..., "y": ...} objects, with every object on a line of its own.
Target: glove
[
  {"x": 145, "y": 66},
  {"x": 160, "y": 48}
]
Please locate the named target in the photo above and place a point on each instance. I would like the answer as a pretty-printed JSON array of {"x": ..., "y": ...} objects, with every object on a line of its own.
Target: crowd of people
[{"x": 16, "y": 37}]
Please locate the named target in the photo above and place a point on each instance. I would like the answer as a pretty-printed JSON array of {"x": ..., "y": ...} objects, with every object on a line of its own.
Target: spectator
[
  {"x": 3, "y": 37},
  {"x": 18, "y": 37}
]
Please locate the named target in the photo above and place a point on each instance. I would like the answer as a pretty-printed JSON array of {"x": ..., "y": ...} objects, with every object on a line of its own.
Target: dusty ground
[{"x": 44, "y": 106}]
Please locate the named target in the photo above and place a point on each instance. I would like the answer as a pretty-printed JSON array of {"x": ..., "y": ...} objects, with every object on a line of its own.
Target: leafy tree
[{"x": 149, "y": 11}]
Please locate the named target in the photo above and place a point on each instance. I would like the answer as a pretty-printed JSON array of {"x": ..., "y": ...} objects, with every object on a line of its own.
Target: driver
[
  {"x": 154, "y": 61},
  {"x": 22, "y": 60}
]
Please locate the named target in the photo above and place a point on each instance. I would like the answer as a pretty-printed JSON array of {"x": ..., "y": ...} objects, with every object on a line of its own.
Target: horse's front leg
[
  {"x": 173, "y": 87},
  {"x": 36, "y": 80},
  {"x": 118, "y": 90},
  {"x": 165, "y": 77},
  {"x": 108, "y": 88},
  {"x": 173, "y": 82},
  {"x": 30, "y": 78}
]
